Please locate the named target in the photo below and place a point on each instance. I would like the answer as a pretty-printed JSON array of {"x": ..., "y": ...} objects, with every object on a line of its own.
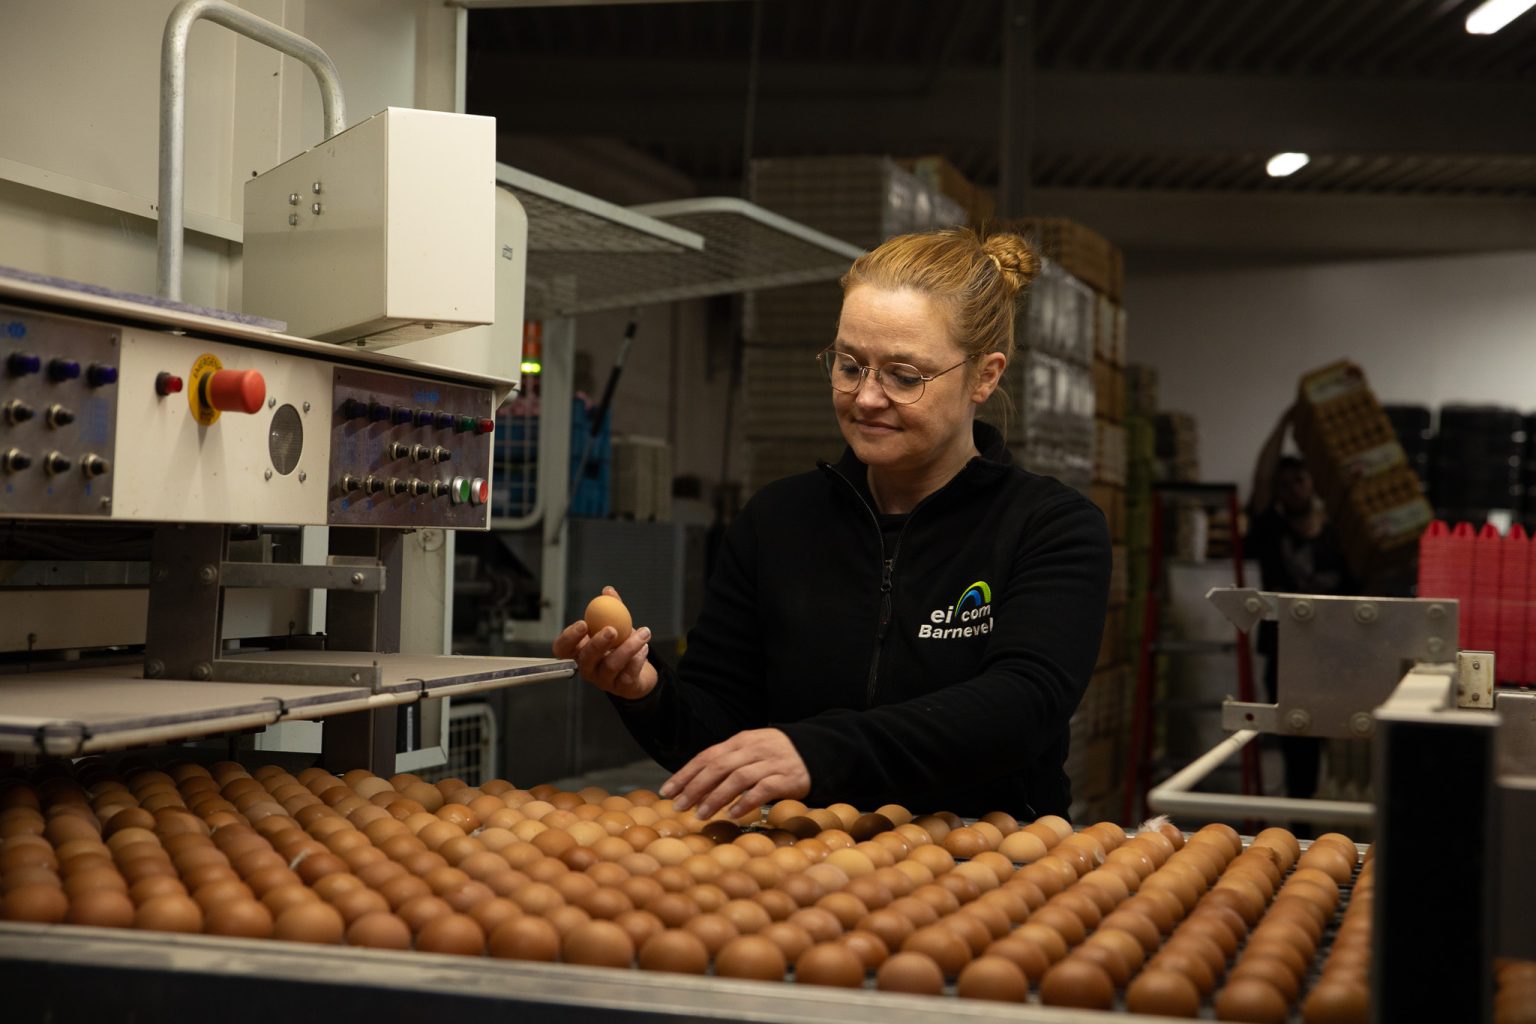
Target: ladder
[{"x": 1139, "y": 766}]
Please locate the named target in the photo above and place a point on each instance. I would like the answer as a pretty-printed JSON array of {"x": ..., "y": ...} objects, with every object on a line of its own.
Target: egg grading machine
[
  {"x": 1454, "y": 760},
  {"x": 141, "y": 436}
]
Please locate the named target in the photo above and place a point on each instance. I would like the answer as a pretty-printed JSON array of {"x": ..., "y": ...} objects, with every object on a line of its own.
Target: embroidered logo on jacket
[{"x": 969, "y": 616}]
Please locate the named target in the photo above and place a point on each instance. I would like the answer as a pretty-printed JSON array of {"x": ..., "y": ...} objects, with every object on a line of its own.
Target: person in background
[
  {"x": 914, "y": 624},
  {"x": 1298, "y": 553}
]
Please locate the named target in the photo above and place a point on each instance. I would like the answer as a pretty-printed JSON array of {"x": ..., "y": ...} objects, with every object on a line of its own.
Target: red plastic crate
[{"x": 1512, "y": 606}]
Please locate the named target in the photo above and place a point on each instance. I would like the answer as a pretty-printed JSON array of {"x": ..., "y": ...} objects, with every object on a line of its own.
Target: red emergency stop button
[{"x": 235, "y": 390}]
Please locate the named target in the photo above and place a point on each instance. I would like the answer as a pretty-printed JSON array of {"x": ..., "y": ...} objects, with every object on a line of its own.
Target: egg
[
  {"x": 910, "y": 971},
  {"x": 751, "y": 956},
  {"x": 830, "y": 963},
  {"x": 312, "y": 921},
  {"x": 992, "y": 977},
  {"x": 101, "y": 908},
  {"x": 1079, "y": 982},
  {"x": 605, "y": 611},
  {"x": 1025, "y": 955},
  {"x": 871, "y": 950},
  {"x": 1164, "y": 993},
  {"x": 452, "y": 933},
  {"x": 169, "y": 913},
  {"x": 243, "y": 917},
  {"x": 941, "y": 945},
  {"x": 674, "y": 951},
  {"x": 1251, "y": 999}
]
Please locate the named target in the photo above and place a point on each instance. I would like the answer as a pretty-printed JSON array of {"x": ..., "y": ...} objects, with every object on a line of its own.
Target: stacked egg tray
[{"x": 1155, "y": 923}]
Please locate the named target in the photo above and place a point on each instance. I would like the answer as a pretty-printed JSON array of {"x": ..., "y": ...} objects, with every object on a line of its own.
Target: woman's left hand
[{"x": 751, "y": 768}]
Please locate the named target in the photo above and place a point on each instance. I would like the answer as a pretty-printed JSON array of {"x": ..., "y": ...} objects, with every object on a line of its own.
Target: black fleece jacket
[{"x": 938, "y": 672}]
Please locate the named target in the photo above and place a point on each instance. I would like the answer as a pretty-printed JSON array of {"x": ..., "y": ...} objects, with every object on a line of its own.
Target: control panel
[
  {"x": 58, "y": 414},
  {"x": 409, "y": 452}
]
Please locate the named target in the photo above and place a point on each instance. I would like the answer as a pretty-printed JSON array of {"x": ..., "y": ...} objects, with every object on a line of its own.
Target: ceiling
[{"x": 1149, "y": 120}]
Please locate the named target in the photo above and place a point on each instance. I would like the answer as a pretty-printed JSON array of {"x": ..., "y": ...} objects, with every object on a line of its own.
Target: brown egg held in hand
[{"x": 604, "y": 611}]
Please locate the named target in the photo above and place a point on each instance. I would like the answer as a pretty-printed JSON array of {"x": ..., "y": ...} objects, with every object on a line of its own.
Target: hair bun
[{"x": 1015, "y": 258}]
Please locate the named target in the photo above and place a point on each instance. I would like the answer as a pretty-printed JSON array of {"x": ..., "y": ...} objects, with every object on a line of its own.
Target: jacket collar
[{"x": 987, "y": 467}]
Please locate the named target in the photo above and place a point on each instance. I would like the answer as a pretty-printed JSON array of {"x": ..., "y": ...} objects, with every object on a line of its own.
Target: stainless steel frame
[{"x": 173, "y": 111}]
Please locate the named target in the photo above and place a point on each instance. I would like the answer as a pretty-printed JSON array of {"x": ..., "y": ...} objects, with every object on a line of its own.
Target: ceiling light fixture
[
  {"x": 1284, "y": 164},
  {"x": 1493, "y": 15}
]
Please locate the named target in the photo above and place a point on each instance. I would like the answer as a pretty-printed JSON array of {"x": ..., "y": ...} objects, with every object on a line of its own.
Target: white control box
[{"x": 381, "y": 235}]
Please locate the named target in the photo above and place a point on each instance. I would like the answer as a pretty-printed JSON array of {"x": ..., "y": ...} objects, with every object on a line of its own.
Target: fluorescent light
[
  {"x": 1493, "y": 15},
  {"x": 1282, "y": 164}
]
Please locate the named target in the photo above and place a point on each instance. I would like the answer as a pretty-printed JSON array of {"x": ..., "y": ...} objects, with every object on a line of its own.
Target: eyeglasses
[{"x": 901, "y": 382}]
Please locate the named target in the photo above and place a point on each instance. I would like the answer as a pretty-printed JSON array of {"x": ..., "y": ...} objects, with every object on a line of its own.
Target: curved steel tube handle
[{"x": 173, "y": 111}]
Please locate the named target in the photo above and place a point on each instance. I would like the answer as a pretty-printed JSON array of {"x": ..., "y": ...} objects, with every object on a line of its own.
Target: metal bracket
[
  {"x": 295, "y": 673},
  {"x": 1474, "y": 679},
  {"x": 362, "y": 579},
  {"x": 1340, "y": 657}
]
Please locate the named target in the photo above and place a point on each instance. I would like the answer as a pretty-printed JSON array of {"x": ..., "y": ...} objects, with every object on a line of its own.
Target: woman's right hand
[{"x": 617, "y": 668}]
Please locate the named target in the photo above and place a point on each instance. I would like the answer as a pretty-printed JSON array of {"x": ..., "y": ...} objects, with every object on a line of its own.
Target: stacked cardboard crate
[
  {"x": 1051, "y": 379},
  {"x": 786, "y": 401},
  {"x": 1362, "y": 474}
]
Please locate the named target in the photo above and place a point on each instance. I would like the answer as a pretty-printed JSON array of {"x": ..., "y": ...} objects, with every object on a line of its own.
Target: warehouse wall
[{"x": 1230, "y": 346}]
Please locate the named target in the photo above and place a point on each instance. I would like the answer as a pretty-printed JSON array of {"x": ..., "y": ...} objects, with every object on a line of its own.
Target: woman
[{"x": 914, "y": 624}]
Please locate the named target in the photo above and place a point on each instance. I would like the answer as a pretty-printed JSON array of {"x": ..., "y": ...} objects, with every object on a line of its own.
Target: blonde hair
[{"x": 974, "y": 281}]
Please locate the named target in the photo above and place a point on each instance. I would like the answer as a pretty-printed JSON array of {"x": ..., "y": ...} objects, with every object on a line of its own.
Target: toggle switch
[
  {"x": 21, "y": 364},
  {"x": 94, "y": 466},
  {"x": 17, "y": 411},
  {"x": 420, "y": 487},
  {"x": 373, "y": 485},
  {"x": 15, "y": 460},
  {"x": 60, "y": 370},
  {"x": 58, "y": 416},
  {"x": 397, "y": 485},
  {"x": 421, "y": 453},
  {"x": 399, "y": 451},
  {"x": 99, "y": 375},
  {"x": 56, "y": 463},
  {"x": 441, "y": 454}
]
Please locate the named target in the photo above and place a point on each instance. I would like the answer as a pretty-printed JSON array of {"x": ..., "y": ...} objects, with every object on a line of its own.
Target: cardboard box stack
[
  {"x": 785, "y": 398},
  {"x": 1362, "y": 474}
]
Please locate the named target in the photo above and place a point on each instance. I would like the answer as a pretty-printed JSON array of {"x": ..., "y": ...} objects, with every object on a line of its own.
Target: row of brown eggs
[{"x": 540, "y": 874}]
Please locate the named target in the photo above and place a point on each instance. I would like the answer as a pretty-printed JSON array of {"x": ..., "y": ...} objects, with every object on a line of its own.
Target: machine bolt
[
  {"x": 306, "y": 407},
  {"x": 1477, "y": 698},
  {"x": 1297, "y": 720},
  {"x": 271, "y": 403},
  {"x": 293, "y": 220},
  {"x": 154, "y": 668},
  {"x": 1361, "y": 723},
  {"x": 160, "y": 574},
  {"x": 106, "y": 503},
  {"x": 357, "y": 579},
  {"x": 1434, "y": 645},
  {"x": 207, "y": 574},
  {"x": 1435, "y": 612},
  {"x": 267, "y": 475},
  {"x": 316, "y": 187},
  {"x": 303, "y": 476},
  {"x": 202, "y": 670},
  {"x": 293, "y": 199},
  {"x": 1365, "y": 612},
  {"x": 1302, "y": 611},
  {"x": 1253, "y": 605},
  {"x": 314, "y": 208}
]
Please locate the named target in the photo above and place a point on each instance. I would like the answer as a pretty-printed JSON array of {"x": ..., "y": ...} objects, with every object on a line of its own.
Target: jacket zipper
[{"x": 887, "y": 569}]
